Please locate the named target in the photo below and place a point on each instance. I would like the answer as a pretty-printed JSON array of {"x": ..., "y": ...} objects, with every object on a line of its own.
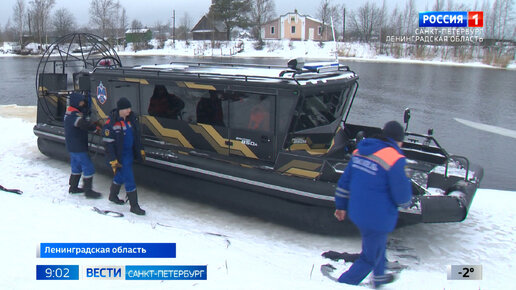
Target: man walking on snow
[
  {"x": 370, "y": 191},
  {"x": 76, "y": 138}
]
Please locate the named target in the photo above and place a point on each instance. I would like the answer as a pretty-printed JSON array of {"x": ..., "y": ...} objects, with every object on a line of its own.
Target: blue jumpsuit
[
  {"x": 371, "y": 189},
  {"x": 123, "y": 144},
  {"x": 125, "y": 174},
  {"x": 76, "y": 137}
]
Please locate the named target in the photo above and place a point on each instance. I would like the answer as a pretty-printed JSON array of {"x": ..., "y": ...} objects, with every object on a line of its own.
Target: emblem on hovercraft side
[{"x": 101, "y": 93}]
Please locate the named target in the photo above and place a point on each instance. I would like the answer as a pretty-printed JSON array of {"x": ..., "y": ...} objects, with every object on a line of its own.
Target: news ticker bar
[
  {"x": 132, "y": 272},
  {"x": 107, "y": 250}
]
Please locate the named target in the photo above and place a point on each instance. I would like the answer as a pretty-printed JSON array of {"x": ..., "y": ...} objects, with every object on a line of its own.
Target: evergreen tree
[{"x": 233, "y": 13}]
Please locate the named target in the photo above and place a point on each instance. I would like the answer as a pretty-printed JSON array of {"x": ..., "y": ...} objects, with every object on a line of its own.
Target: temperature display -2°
[{"x": 465, "y": 272}]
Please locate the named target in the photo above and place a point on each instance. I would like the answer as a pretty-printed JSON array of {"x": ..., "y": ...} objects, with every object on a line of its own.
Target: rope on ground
[
  {"x": 108, "y": 212},
  {"x": 17, "y": 191}
]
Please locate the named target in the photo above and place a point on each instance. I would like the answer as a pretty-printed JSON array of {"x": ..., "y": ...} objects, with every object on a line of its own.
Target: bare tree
[
  {"x": 63, "y": 22},
  {"x": 136, "y": 24},
  {"x": 185, "y": 24},
  {"x": 123, "y": 22},
  {"x": 337, "y": 17},
  {"x": 101, "y": 15},
  {"x": 161, "y": 33},
  {"x": 365, "y": 20},
  {"x": 395, "y": 23},
  {"x": 40, "y": 13},
  {"x": 324, "y": 14},
  {"x": 262, "y": 11},
  {"x": 488, "y": 28},
  {"x": 381, "y": 23},
  {"x": 328, "y": 12},
  {"x": 19, "y": 17},
  {"x": 450, "y": 5},
  {"x": 9, "y": 31},
  {"x": 506, "y": 18},
  {"x": 138, "y": 38},
  {"x": 410, "y": 17}
]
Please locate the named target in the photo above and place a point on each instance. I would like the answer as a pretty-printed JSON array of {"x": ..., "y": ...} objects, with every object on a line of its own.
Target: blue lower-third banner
[
  {"x": 166, "y": 273},
  {"x": 107, "y": 250}
]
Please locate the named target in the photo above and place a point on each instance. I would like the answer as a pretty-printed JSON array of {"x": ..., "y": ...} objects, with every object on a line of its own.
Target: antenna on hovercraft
[{"x": 334, "y": 40}]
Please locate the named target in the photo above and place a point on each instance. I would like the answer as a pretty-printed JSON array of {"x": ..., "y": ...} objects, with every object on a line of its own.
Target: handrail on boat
[
  {"x": 457, "y": 158},
  {"x": 246, "y": 78}
]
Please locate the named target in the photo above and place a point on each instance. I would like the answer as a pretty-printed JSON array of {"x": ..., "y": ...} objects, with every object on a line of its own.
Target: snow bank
[
  {"x": 356, "y": 51},
  {"x": 245, "y": 48},
  {"x": 240, "y": 252}
]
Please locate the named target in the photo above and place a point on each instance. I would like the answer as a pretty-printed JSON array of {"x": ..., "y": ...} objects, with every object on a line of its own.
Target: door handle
[
  {"x": 265, "y": 139},
  {"x": 229, "y": 143}
]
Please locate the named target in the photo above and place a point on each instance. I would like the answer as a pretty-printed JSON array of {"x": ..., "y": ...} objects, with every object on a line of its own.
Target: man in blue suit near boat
[
  {"x": 122, "y": 141},
  {"x": 370, "y": 191},
  {"x": 77, "y": 125}
]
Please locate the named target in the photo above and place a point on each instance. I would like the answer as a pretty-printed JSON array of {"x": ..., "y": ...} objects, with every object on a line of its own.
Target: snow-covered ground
[
  {"x": 285, "y": 49},
  {"x": 240, "y": 252}
]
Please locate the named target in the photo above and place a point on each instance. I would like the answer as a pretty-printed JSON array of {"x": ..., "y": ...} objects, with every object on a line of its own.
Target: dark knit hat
[
  {"x": 393, "y": 130},
  {"x": 123, "y": 103}
]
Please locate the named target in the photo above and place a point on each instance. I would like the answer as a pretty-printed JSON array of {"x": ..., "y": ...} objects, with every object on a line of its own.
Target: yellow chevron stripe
[
  {"x": 134, "y": 80},
  {"x": 100, "y": 112},
  {"x": 42, "y": 88},
  {"x": 240, "y": 148},
  {"x": 53, "y": 98},
  {"x": 193, "y": 85},
  {"x": 300, "y": 164},
  {"x": 302, "y": 172},
  {"x": 305, "y": 147},
  {"x": 170, "y": 135},
  {"x": 215, "y": 144}
]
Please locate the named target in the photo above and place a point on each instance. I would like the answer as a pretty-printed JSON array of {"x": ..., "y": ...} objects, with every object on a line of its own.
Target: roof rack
[
  {"x": 229, "y": 64},
  {"x": 277, "y": 72}
]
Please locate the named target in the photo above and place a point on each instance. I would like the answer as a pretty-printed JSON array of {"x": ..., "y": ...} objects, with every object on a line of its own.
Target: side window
[
  {"x": 252, "y": 111},
  {"x": 321, "y": 108},
  {"x": 211, "y": 108},
  {"x": 272, "y": 29},
  {"x": 293, "y": 29},
  {"x": 164, "y": 102},
  {"x": 129, "y": 90},
  {"x": 286, "y": 105},
  {"x": 189, "y": 105}
]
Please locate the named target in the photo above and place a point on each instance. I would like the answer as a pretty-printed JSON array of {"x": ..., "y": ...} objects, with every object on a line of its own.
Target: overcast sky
[{"x": 151, "y": 11}]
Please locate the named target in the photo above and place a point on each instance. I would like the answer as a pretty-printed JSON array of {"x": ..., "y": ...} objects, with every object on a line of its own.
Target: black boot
[
  {"x": 379, "y": 281},
  {"x": 74, "y": 184},
  {"x": 88, "y": 191},
  {"x": 133, "y": 201},
  {"x": 113, "y": 193}
]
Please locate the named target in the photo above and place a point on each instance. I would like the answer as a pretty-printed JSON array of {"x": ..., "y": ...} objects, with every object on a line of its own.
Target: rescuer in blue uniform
[
  {"x": 123, "y": 146},
  {"x": 77, "y": 125},
  {"x": 370, "y": 191}
]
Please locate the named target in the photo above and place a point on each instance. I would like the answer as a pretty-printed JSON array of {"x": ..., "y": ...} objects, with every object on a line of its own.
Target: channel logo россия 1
[{"x": 451, "y": 19}]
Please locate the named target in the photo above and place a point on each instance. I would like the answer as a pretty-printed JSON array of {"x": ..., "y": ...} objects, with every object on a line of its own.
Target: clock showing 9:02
[{"x": 57, "y": 272}]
